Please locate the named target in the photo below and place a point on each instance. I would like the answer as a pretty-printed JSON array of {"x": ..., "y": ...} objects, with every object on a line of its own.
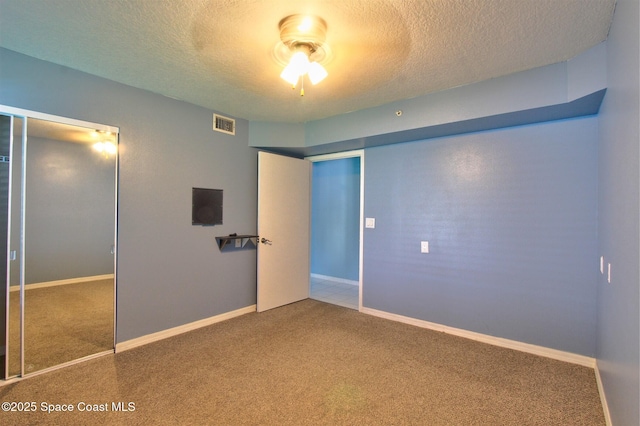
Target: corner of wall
[{"x": 587, "y": 72}]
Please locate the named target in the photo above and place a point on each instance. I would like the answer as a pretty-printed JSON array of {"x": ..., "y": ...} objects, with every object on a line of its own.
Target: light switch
[
  {"x": 370, "y": 222},
  {"x": 424, "y": 246}
]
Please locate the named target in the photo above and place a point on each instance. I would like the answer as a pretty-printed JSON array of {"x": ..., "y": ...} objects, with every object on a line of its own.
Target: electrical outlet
[
  {"x": 424, "y": 246},
  {"x": 609, "y": 273},
  {"x": 602, "y": 264},
  {"x": 238, "y": 243},
  {"x": 370, "y": 222}
]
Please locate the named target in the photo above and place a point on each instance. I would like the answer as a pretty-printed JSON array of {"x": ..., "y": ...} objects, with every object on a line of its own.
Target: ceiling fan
[{"x": 303, "y": 38}]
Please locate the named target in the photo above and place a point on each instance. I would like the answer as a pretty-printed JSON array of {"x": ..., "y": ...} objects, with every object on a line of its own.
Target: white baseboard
[
  {"x": 153, "y": 337},
  {"x": 335, "y": 279},
  {"x": 484, "y": 338},
  {"x": 62, "y": 282},
  {"x": 603, "y": 397}
]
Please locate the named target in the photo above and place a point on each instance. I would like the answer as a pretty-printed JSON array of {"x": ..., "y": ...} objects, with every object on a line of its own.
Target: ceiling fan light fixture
[{"x": 304, "y": 37}]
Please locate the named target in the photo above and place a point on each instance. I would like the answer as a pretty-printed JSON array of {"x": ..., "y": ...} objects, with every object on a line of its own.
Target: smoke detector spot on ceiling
[{"x": 224, "y": 124}]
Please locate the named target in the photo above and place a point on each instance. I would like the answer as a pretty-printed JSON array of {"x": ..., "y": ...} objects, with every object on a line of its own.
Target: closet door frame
[{"x": 26, "y": 115}]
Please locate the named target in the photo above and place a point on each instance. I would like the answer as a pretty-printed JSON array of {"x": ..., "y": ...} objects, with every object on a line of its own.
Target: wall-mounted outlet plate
[
  {"x": 370, "y": 222},
  {"x": 424, "y": 246}
]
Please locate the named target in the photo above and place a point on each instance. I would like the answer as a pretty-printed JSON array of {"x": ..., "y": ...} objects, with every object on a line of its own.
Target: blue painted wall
[
  {"x": 511, "y": 219},
  {"x": 170, "y": 273},
  {"x": 335, "y": 218},
  {"x": 618, "y": 335}
]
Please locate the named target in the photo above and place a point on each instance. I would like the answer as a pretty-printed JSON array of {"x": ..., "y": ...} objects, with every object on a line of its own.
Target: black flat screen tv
[{"x": 206, "y": 206}]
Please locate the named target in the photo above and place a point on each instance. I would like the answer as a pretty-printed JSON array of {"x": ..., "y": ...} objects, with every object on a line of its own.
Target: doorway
[{"x": 337, "y": 204}]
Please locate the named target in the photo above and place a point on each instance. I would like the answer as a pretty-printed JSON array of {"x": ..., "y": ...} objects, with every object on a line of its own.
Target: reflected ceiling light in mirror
[
  {"x": 303, "y": 36},
  {"x": 105, "y": 146}
]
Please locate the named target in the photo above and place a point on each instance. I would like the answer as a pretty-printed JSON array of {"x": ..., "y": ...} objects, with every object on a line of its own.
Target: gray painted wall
[
  {"x": 618, "y": 335},
  {"x": 335, "y": 218},
  {"x": 511, "y": 219},
  {"x": 70, "y": 220},
  {"x": 170, "y": 273}
]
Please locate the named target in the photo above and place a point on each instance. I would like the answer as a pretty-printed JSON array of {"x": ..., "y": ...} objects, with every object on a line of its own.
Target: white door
[{"x": 284, "y": 228}]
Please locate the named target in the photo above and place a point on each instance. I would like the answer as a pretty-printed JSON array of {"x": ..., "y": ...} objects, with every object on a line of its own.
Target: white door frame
[{"x": 338, "y": 156}]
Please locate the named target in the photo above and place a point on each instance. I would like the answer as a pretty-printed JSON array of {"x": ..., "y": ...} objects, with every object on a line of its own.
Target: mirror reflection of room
[{"x": 62, "y": 231}]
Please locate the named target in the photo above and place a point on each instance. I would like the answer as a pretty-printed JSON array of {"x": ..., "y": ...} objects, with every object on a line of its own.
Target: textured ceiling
[{"x": 219, "y": 53}]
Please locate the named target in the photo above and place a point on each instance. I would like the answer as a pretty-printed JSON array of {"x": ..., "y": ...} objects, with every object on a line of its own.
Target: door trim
[{"x": 338, "y": 156}]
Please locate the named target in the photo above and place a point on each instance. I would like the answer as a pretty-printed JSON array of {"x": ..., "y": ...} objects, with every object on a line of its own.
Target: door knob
[{"x": 265, "y": 241}]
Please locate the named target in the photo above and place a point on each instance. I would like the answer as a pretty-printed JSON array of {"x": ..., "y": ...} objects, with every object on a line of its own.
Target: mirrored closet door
[{"x": 58, "y": 197}]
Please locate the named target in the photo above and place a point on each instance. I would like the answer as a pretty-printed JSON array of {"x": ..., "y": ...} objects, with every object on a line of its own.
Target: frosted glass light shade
[
  {"x": 317, "y": 73},
  {"x": 290, "y": 75},
  {"x": 299, "y": 66}
]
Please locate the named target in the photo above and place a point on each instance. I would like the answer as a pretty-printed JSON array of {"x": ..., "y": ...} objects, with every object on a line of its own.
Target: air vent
[{"x": 224, "y": 124}]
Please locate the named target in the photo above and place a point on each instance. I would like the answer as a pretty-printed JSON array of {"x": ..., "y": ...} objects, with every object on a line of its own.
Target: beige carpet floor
[
  {"x": 63, "y": 323},
  {"x": 311, "y": 363}
]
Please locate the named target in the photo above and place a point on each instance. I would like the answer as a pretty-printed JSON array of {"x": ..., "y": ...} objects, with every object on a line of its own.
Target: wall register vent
[{"x": 224, "y": 124}]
